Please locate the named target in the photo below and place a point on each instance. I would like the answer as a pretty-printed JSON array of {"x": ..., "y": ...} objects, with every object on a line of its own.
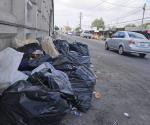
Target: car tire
[
  {"x": 142, "y": 55},
  {"x": 106, "y": 46},
  {"x": 121, "y": 50}
]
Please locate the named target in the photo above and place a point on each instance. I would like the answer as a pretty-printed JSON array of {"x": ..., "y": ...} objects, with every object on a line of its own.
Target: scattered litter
[
  {"x": 91, "y": 66},
  {"x": 127, "y": 115},
  {"x": 97, "y": 95}
]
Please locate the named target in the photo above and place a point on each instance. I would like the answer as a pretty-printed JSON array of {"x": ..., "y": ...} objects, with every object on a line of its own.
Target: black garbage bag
[
  {"x": 27, "y": 104},
  {"x": 29, "y": 49},
  {"x": 79, "y": 59},
  {"x": 80, "y": 48},
  {"x": 53, "y": 79},
  {"x": 62, "y": 46},
  {"x": 77, "y": 53},
  {"x": 82, "y": 81},
  {"x": 64, "y": 63},
  {"x": 30, "y": 64}
]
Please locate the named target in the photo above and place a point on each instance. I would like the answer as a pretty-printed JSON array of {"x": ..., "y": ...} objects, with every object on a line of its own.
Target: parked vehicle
[
  {"x": 86, "y": 34},
  {"x": 70, "y": 33},
  {"x": 128, "y": 42}
]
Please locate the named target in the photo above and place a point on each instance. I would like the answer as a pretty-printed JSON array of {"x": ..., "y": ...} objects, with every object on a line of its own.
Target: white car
[{"x": 86, "y": 34}]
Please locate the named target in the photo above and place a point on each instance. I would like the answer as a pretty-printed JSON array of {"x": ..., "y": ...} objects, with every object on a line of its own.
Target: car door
[
  {"x": 119, "y": 39},
  {"x": 112, "y": 40}
]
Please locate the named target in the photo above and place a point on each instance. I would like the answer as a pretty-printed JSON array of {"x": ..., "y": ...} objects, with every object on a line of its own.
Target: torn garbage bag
[
  {"x": 82, "y": 81},
  {"x": 27, "y": 104},
  {"x": 54, "y": 79},
  {"x": 9, "y": 62}
]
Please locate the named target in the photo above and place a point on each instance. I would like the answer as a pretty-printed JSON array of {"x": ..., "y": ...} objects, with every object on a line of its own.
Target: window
[
  {"x": 136, "y": 35},
  {"x": 115, "y": 35},
  {"x": 121, "y": 35}
]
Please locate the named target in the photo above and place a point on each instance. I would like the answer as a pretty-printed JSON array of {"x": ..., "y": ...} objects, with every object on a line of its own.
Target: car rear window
[{"x": 136, "y": 35}]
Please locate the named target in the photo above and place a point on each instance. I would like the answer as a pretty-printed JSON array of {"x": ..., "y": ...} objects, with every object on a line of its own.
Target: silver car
[{"x": 128, "y": 42}]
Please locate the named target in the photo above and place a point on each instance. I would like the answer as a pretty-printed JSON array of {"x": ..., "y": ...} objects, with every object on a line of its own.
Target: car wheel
[
  {"x": 106, "y": 46},
  {"x": 142, "y": 55},
  {"x": 121, "y": 50}
]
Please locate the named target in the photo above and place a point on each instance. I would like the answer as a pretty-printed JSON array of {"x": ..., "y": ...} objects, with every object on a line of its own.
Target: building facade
[{"x": 23, "y": 19}]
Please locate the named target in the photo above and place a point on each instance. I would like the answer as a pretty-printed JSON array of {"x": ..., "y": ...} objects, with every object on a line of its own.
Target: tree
[
  {"x": 67, "y": 28},
  {"x": 145, "y": 26},
  {"x": 98, "y": 23},
  {"x": 130, "y": 25},
  {"x": 56, "y": 28}
]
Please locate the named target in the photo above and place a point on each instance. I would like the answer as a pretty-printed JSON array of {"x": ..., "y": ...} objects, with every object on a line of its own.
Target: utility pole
[
  {"x": 80, "y": 25},
  {"x": 144, "y": 8}
]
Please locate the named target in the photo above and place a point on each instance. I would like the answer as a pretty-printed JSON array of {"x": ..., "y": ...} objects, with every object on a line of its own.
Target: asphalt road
[{"x": 124, "y": 84}]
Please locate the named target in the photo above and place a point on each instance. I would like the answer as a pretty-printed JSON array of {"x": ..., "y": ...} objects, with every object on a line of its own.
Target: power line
[
  {"x": 120, "y": 5},
  {"x": 127, "y": 15},
  {"x": 130, "y": 21},
  {"x": 98, "y": 4}
]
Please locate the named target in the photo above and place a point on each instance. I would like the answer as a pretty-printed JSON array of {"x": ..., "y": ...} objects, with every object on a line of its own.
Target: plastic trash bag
[
  {"x": 82, "y": 81},
  {"x": 63, "y": 63},
  {"x": 30, "y": 64},
  {"x": 62, "y": 46},
  {"x": 55, "y": 80},
  {"x": 9, "y": 62},
  {"x": 49, "y": 47},
  {"x": 80, "y": 48},
  {"x": 77, "y": 53},
  {"x": 27, "y": 104},
  {"x": 29, "y": 49},
  {"x": 79, "y": 59}
]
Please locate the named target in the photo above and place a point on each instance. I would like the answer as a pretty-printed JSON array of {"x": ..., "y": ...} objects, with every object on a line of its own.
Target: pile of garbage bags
[{"x": 43, "y": 82}]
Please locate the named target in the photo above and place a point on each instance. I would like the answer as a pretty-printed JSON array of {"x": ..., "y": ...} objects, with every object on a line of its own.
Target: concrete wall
[{"x": 34, "y": 14}]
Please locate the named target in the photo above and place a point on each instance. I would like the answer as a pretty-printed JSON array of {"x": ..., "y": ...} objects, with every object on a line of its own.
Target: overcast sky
[{"x": 112, "y": 11}]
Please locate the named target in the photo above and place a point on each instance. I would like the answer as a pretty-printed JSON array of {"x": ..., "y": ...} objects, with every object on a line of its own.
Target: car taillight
[{"x": 131, "y": 42}]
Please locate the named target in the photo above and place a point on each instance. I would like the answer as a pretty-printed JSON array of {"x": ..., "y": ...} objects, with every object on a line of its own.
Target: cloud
[{"x": 67, "y": 11}]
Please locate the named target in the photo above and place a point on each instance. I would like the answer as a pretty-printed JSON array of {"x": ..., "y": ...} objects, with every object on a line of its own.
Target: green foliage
[
  {"x": 67, "y": 28},
  {"x": 77, "y": 29},
  {"x": 145, "y": 26},
  {"x": 98, "y": 23},
  {"x": 130, "y": 25}
]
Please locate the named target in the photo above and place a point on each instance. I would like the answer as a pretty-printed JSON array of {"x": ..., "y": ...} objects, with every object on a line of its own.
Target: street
[{"x": 124, "y": 84}]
